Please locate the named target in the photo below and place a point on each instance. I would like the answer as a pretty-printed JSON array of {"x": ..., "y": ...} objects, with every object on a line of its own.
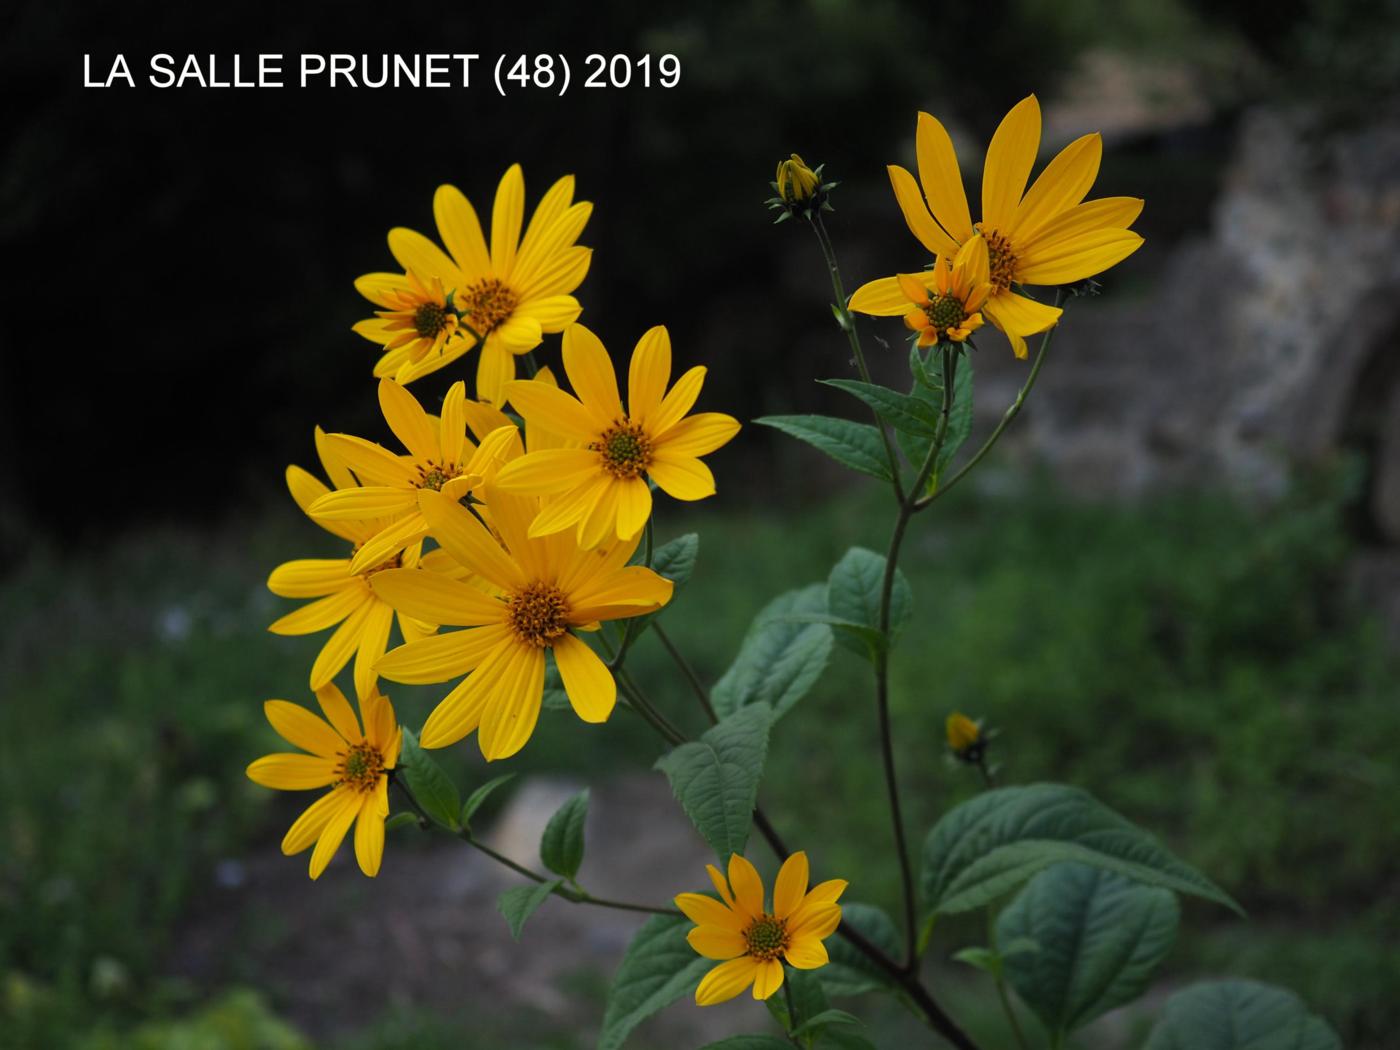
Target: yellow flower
[
  {"x": 949, "y": 315},
  {"x": 510, "y": 294},
  {"x": 1047, "y": 235},
  {"x": 753, "y": 941},
  {"x": 416, "y": 318},
  {"x": 352, "y": 762},
  {"x": 440, "y": 458},
  {"x": 963, "y": 733},
  {"x": 599, "y": 480},
  {"x": 343, "y": 592},
  {"x": 526, "y": 598},
  {"x": 796, "y": 182}
]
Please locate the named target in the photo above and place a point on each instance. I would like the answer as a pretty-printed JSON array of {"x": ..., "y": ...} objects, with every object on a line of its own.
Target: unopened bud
[{"x": 796, "y": 182}]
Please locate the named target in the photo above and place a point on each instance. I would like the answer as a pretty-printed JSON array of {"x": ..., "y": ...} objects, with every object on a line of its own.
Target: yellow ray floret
[
  {"x": 945, "y": 300},
  {"x": 598, "y": 481},
  {"x": 751, "y": 940},
  {"x": 440, "y": 458},
  {"x": 343, "y": 598},
  {"x": 509, "y": 294},
  {"x": 1047, "y": 235},
  {"x": 526, "y": 598},
  {"x": 353, "y": 762}
]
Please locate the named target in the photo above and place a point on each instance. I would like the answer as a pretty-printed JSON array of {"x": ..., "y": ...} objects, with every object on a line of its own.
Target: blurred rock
[{"x": 1269, "y": 341}]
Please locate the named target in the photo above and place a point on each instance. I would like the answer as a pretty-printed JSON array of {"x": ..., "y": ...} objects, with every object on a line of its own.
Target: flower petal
[
  {"x": 549, "y": 471},
  {"x": 807, "y": 953},
  {"x": 307, "y": 828},
  {"x": 682, "y": 477},
  {"x": 916, "y": 214},
  {"x": 706, "y": 911},
  {"x": 507, "y": 215},
  {"x": 726, "y": 981},
  {"x": 408, "y": 421},
  {"x": 373, "y": 640},
  {"x": 339, "y": 713},
  {"x": 717, "y": 942},
  {"x": 941, "y": 178},
  {"x": 1101, "y": 214},
  {"x": 441, "y": 657},
  {"x": 369, "y": 829},
  {"x": 744, "y": 880},
  {"x": 768, "y": 978},
  {"x": 697, "y": 435},
  {"x": 1061, "y": 186},
  {"x": 1010, "y": 158},
  {"x": 460, "y": 231},
  {"x": 287, "y": 771},
  {"x": 589, "y": 684},
  {"x": 437, "y": 599},
  {"x": 1073, "y": 259},
  {"x": 463, "y": 536},
  {"x": 883, "y": 297},
  {"x": 679, "y": 401},
  {"x": 310, "y": 577},
  {"x": 648, "y": 374},
  {"x": 510, "y": 716},
  {"x": 333, "y": 834},
  {"x": 590, "y": 372},
  {"x": 460, "y": 711},
  {"x": 339, "y": 647},
  {"x": 551, "y": 409},
  {"x": 415, "y": 252},
  {"x": 298, "y": 726},
  {"x": 791, "y": 885}
]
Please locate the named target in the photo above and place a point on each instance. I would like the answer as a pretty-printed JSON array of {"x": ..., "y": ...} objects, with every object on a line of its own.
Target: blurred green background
[{"x": 1201, "y": 661}]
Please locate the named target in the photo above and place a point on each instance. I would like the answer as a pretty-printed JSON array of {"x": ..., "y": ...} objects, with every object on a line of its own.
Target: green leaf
[
  {"x": 987, "y": 959},
  {"x": 818, "y": 1021},
  {"x": 400, "y": 820},
  {"x": 477, "y": 797},
  {"x": 851, "y": 971},
  {"x": 992, "y": 843},
  {"x": 855, "y": 445},
  {"x": 807, "y": 996},
  {"x": 659, "y": 968},
  {"x": 715, "y": 778},
  {"x": 561, "y": 845},
  {"x": 520, "y": 902},
  {"x": 428, "y": 783},
  {"x": 780, "y": 659},
  {"x": 1101, "y": 938},
  {"x": 750, "y": 1042},
  {"x": 844, "y": 1039},
  {"x": 1240, "y": 1015},
  {"x": 853, "y": 594},
  {"x": 555, "y": 698},
  {"x": 911, "y": 415},
  {"x": 928, "y": 389},
  {"x": 675, "y": 559}
]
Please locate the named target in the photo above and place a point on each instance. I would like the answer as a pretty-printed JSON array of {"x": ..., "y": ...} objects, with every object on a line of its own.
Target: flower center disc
[
  {"x": 538, "y": 614},
  {"x": 625, "y": 448},
  {"x": 1001, "y": 260},
  {"x": 767, "y": 937},
  {"x": 487, "y": 303},
  {"x": 434, "y": 476},
  {"x": 945, "y": 312},
  {"x": 361, "y": 767},
  {"x": 429, "y": 319}
]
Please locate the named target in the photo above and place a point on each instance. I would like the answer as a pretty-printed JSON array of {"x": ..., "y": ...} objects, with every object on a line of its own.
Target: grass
[{"x": 1195, "y": 664}]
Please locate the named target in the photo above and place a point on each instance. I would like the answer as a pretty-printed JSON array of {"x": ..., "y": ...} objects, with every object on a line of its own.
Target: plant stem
[
  {"x": 1011, "y": 1015},
  {"x": 688, "y": 672},
  {"x": 848, "y": 325},
  {"x": 906, "y": 978},
  {"x": 1011, "y": 413},
  {"x": 882, "y": 676},
  {"x": 575, "y": 896}
]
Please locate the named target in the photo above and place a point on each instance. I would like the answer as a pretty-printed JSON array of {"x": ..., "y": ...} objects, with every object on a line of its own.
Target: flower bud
[
  {"x": 964, "y": 736},
  {"x": 796, "y": 182}
]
